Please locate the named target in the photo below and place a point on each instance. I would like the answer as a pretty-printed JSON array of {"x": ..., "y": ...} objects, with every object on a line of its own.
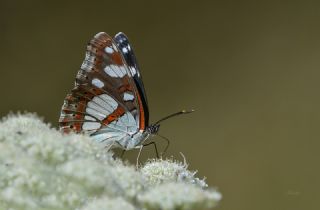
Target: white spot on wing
[
  {"x": 123, "y": 70},
  {"x": 101, "y": 106},
  {"x": 97, "y": 82},
  {"x": 128, "y": 96},
  {"x": 118, "y": 70},
  {"x": 124, "y": 50},
  {"x": 110, "y": 101},
  {"x": 108, "y": 50},
  {"x": 95, "y": 113},
  {"x": 110, "y": 71},
  {"x": 91, "y": 125},
  {"x": 133, "y": 71},
  {"x": 105, "y": 110},
  {"x": 115, "y": 71},
  {"x": 87, "y": 117}
]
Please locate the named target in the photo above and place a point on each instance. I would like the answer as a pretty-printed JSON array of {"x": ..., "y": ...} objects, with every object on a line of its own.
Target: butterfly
[{"x": 109, "y": 100}]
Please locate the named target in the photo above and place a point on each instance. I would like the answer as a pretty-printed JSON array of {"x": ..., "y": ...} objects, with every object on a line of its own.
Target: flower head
[{"x": 43, "y": 169}]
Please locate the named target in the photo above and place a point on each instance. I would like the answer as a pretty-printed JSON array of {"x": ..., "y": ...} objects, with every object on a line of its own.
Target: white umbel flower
[{"x": 42, "y": 169}]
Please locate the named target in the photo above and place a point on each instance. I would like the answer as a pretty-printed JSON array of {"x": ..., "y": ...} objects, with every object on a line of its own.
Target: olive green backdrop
[{"x": 250, "y": 69}]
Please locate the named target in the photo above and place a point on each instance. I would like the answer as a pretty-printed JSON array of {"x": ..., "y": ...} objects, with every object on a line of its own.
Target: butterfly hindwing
[{"x": 106, "y": 101}]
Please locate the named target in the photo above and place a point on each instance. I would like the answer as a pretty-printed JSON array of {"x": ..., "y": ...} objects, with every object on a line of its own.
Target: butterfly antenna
[
  {"x": 167, "y": 146},
  {"x": 173, "y": 115}
]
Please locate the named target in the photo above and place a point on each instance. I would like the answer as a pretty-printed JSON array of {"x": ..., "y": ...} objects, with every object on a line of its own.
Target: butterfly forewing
[
  {"x": 106, "y": 101},
  {"x": 123, "y": 44}
]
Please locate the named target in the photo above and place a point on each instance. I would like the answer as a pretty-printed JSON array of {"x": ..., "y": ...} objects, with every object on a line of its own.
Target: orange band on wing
[
  {"x": 142, "y": 123},
  {"x": 114, "y": 115}
]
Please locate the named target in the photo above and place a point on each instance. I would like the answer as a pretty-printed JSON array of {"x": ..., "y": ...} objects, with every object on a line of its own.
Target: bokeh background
[{"x": 249, "y": 68}]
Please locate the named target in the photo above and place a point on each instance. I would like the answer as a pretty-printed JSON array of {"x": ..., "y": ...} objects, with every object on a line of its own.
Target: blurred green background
[{"x": 249, "y": 68}]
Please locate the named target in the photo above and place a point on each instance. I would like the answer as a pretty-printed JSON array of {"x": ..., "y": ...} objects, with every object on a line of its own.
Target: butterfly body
[{"x": 108, "y": 101}]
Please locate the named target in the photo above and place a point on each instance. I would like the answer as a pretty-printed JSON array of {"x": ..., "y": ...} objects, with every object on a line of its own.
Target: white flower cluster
[{"x": 40, "y": 168}]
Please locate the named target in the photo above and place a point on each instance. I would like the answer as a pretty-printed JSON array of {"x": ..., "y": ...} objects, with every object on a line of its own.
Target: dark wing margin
[{"x": 123, "y": 44}]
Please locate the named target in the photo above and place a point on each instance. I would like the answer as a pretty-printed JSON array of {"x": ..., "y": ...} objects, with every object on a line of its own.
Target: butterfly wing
[
  {"x": 105, "y": 101},
  {"x": 123, "y": 44}
]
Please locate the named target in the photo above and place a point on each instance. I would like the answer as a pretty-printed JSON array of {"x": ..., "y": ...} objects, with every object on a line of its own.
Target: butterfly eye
[{"x": 71, "y": 126}]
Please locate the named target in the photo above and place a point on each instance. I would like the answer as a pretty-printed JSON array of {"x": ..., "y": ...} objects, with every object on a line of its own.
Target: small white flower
[
  {"x": 182, "y": 196},
  {"x": 162, "y": 171}
]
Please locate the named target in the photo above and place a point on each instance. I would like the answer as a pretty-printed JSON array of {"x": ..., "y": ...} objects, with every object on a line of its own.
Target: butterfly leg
[
  {"x": 137, "y": 163},
  {"x": 167, "y": 146},
  {"x": 143, "y": 145},
  {"x": 108, "y": 147},
  {"x": 155, "y": 147}
]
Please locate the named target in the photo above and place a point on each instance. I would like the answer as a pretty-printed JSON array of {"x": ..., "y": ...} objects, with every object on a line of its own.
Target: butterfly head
[{"x": 153, "y": 128}]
